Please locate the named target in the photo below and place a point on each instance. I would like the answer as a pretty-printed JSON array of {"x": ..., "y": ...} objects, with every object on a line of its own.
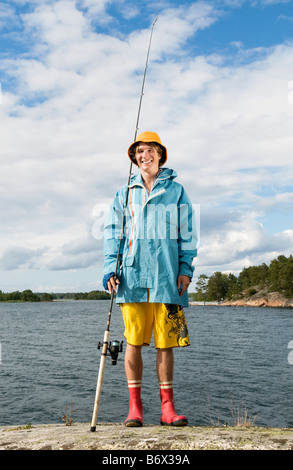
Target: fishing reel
[{"x": 113, "y": 349}]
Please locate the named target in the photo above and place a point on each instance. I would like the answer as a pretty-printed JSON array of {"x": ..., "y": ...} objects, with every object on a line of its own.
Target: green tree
[
  {"x": 15, "y": 296},
  {"x": 218, "y": 286},
  {"x": 281, "y": 274},
  {"x": 234, "y": 288},
  {"x": 98, "y": 295},
  {"x": 244, "y": 279},
  {"x": 275, "y": 269},
  {"x": 46, "y": 297},
  {"x": 287, "y": 278},
  {"x": 29, "y": 296},
  {"x": 201, "y": 287}
]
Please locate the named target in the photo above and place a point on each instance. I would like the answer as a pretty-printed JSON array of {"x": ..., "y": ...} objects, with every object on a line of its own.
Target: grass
[
  {"x": 19, "y": 428},
  {"x": 69, "y": 410},
  {"x": 241, "y": 418}
]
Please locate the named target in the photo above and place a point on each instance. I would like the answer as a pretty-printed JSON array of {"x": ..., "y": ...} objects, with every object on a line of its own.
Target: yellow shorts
[{"x": 167, "y": 321}]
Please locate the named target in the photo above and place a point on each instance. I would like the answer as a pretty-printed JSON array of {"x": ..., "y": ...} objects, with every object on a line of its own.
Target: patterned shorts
[{"x": 166, "y": 320}]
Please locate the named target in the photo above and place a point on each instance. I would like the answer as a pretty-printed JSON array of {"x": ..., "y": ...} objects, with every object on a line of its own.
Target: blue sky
[{"x": 219, "y": 92}]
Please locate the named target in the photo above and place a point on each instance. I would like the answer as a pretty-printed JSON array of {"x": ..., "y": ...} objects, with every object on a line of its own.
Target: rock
[
  {"x": 148, "y": 438},
  {"x": 272, "y": 299}
]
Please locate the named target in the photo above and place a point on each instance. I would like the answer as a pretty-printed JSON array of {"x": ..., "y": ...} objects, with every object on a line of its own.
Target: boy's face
[{"x": 147, "y": 158}]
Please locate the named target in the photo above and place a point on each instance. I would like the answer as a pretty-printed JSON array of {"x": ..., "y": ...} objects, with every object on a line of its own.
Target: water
[{"x": 237, "y": 361}]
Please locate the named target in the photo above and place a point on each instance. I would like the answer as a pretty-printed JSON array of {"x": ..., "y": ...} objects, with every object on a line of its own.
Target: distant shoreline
[
  {"x": 261, "y": 299},
  {"x": 29, "y": 296}
]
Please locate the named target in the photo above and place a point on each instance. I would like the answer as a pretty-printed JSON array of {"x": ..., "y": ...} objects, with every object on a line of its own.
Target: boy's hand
[
  {"x": 112, "y": 284},
  {"x": 182, "y": 283}
]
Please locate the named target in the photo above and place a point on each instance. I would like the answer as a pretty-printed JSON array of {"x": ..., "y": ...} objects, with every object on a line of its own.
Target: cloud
[
  {"x": 241, "y": 242},
  {"x": 7, "y": 15},
  {"x": 69, "y": 107},
  {"x": 269, "y": 2},
  {"x": 16, "y": 257},
  {"x": 285, "y": 18},
  {"x": 254, "y": 3},
  {"x": 96, "y": 10},
  {"x": 79, "y": 253}
]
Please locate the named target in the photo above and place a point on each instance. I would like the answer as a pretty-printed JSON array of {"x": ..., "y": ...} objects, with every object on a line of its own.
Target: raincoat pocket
[{"x": 128, "y": 261}]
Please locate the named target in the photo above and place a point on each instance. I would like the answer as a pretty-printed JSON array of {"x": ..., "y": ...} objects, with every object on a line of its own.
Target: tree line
[
  {"x": 29, "y": 296},
  {"x": 275, "y": 277}
]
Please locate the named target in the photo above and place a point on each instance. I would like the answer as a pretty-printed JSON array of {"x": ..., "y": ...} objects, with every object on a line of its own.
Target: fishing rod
[{"x": 113, "y": 349}]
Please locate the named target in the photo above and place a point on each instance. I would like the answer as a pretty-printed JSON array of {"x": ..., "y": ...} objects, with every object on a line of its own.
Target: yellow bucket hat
[{"x": 147, "y": 137}]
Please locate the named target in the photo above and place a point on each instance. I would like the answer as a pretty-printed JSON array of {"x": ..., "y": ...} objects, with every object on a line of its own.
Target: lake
[{"x": 238, "y": 362}]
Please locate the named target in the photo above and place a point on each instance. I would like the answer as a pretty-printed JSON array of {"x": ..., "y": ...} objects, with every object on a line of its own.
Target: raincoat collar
[{"x": 164, "y": 174}]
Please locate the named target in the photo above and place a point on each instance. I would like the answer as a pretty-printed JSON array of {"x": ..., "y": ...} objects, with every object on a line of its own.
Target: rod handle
[{"x": 100, "y": 381}]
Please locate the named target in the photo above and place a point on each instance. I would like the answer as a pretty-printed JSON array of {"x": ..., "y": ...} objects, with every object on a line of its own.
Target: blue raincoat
[{"x": 159, "y": 241}]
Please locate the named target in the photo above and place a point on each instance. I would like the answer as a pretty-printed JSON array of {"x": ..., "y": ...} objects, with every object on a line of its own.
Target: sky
[{"x": 219, "y": 92}]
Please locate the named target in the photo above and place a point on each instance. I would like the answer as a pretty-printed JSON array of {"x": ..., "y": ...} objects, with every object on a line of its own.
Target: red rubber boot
[
  {"x": 169, "y": 416},
  {"x": 135, "y": 415}
]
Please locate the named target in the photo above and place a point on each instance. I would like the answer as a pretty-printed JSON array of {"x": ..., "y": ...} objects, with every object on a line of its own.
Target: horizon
[{"x": 106, "y": 292}]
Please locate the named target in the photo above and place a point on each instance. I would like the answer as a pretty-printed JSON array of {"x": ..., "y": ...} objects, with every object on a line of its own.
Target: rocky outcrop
[
  {"x": 272, "y": 299},
  {"x": 115, "y": 437}
]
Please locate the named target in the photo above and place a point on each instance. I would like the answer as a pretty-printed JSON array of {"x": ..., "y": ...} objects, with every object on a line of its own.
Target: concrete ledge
[{"x": 152, "y": 438}]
